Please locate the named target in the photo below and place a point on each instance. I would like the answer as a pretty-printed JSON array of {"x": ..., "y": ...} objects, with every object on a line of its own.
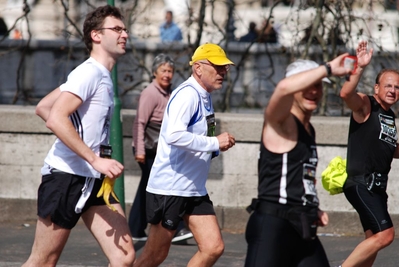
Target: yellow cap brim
[{"x": 219, "y": 61}]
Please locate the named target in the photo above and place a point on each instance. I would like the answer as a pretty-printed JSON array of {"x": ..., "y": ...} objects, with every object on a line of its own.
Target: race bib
[
  {"x": 309, "y": 178},
  {"x": 388, "y": 129}
]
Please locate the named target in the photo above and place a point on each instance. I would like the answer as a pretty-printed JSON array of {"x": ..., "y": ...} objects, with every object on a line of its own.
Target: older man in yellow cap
[{"x": 176, "y": 188}]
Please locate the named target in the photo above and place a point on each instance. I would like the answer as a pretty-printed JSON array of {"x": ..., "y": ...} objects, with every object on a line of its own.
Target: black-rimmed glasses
[
  {"x": 218, "y": 68},
  {"x": 116, "y": 29}
]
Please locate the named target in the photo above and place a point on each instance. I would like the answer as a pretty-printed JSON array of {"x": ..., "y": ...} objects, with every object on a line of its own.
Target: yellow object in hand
[{"x": 107, "y": 188}]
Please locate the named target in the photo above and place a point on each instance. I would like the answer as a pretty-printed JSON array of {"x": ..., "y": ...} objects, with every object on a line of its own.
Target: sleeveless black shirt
[
  {"x": 289, "y": 178},
  {"x": 371, "y": 145}
]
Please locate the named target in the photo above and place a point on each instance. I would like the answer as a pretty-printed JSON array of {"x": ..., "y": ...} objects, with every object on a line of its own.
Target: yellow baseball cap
[{"x": 211, "y": 52}]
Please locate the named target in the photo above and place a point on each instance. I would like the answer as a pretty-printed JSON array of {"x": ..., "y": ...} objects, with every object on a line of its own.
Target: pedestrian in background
[
  {"x": 146, "y": 127},
  {"x": 169, "y": 30},
  {"x": 176, "y": 188},
  {"x": 267, "y": 33},
  {"x": 252, "y": 34},
  {"x": 79, "y": 113},
  {"x": 282, "y": 229},
  {"x": 3, "y": 28}
]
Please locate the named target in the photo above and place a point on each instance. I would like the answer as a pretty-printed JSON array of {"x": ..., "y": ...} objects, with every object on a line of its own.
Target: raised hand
[
  {"x": 363, "y": 54},
  {"x": 337, "y": 66}
]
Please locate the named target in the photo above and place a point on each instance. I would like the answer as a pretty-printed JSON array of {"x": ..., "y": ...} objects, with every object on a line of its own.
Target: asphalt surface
[{"x": 82, "y": 250}]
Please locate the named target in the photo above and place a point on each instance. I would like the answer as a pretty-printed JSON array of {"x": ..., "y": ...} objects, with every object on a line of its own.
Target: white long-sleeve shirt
[{"x": 184, "y": 151}]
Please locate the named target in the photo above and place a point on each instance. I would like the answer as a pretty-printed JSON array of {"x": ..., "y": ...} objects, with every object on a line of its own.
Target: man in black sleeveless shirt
[
  {"x": 372, "y": 144},
  {"x": 282, "y": 229}
]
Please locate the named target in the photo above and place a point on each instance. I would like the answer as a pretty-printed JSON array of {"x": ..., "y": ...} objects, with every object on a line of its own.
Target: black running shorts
[
  {"x": 58, "y": 195},
  {"x": 372, "y": 207},
  {"x": 171, "y": 209},
  {"x": 274, "y": 242}
]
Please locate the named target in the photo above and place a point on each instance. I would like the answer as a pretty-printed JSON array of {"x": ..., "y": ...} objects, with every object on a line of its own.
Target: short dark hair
[
  {"x": 95, "y": 20},
  {"x": 377, "y": 79}
]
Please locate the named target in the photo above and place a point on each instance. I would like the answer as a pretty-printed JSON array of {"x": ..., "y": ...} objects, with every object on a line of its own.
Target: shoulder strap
[{"x": 197, "y": 116}]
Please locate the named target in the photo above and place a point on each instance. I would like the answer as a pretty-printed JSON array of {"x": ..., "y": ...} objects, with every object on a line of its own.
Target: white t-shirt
[
  {"x": 92, "y": 82},
  {"x": 184, "y": 151}
]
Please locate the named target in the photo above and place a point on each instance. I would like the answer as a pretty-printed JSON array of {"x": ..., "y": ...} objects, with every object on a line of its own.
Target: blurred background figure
[
  {"x": 3, "y": 28},
  {"x": 17, "y": 34},
  {"x": 267, "y": 34},
  {"x": 306, "y": 37},
  {"x": 169, "y": 30},
  {"x": 146, "y": 128},
  {"x": 252, "y": 34}
]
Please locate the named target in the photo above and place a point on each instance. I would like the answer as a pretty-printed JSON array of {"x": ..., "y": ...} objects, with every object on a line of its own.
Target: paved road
[{"x": 82, "y": 250}]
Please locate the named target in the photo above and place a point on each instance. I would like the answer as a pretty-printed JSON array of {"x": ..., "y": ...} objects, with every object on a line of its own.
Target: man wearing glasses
[
  {"x": 187, "y": 143},
  {"x": 79, "y": 114}
]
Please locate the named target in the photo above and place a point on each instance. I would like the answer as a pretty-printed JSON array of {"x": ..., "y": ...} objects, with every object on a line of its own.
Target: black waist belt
[
  {"x": 374, "y": 181},
  {"x": 361, "y": 179},
  {"x": 278, "y": 210}
]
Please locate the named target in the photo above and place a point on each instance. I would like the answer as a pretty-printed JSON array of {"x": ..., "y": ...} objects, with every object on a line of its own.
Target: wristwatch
[{"x": 328, "y": 69}]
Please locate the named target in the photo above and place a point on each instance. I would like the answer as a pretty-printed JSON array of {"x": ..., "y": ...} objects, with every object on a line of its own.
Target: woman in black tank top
[{"x": 285, "y": 214}]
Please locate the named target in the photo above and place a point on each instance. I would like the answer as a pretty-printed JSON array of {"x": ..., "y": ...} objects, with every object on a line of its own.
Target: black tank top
[
  {"x": 289, "y": 178},
  {"x": 371, "y": 144}
]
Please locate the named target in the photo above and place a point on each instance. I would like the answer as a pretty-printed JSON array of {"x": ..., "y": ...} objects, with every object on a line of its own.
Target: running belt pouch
[
  {"x": 253, "y": 205},
  {"x": 151, "y": 136},
  {"x": 305, "y": 223},
  {"x": 376, "y": 182}
]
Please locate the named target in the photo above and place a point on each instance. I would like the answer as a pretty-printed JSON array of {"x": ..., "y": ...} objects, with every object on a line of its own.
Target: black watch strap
[{"x": 328, "y": 69}]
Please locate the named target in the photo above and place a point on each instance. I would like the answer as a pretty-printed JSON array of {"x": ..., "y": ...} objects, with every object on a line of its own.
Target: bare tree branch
[
  {"x": 26, "y": 10},
  {"x": 66, "y": 9}
]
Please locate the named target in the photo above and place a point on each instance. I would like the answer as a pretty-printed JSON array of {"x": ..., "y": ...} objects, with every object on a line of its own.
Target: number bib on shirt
[
  {"x": 308, "y": 178},
  {"x": 388, "y": 130}
]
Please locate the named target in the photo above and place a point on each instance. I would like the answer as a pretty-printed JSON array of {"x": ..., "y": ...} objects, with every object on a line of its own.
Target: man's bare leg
[
  {"x": 207, "y": 233},
  {"x": 366, "y": 252},
  {"x": 50, "y": 240},
  {"x": 111, "y": 231},
  {"x": 156, "y": 248}
]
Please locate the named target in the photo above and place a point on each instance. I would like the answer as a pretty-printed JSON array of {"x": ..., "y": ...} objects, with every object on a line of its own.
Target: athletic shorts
[
  {"x": 170, "y": 209},
  {"x": 58, "y": 195},
  {"x": 274, "y": 242},
  {"x": 372, "y": 207}
]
